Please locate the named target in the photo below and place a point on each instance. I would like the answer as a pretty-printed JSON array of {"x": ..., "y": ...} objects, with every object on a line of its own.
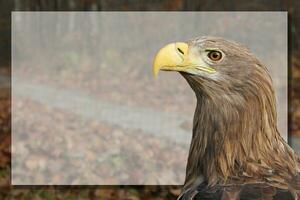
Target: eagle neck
[{"x": 235, "y": 135}]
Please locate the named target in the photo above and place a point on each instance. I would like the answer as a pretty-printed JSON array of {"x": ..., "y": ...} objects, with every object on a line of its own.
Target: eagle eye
[{"x": 215, "y": 55}]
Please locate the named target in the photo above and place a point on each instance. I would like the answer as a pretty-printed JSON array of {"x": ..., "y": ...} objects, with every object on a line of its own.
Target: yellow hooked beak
[{"x": 178, "y": 57}]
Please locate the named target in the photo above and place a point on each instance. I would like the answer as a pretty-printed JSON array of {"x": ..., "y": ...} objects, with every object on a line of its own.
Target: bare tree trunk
[{"x": 5, "y": 47}]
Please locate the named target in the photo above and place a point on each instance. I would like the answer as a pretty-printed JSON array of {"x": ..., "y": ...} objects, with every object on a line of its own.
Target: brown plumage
[{"x": 236, "y": 150}]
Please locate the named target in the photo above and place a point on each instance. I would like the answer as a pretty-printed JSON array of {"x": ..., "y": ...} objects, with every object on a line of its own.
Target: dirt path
[{"x": 147, "y": 120}]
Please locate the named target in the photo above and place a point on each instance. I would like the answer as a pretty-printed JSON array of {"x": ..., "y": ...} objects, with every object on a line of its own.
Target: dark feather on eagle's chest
[{"x": 246, "y": 192}]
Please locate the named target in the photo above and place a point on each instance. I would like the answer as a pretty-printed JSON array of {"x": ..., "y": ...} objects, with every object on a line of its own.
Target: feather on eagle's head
[{"x": 235, "y": 136}]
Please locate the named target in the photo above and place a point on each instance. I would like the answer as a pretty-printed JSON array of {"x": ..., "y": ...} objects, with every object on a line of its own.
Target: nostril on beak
[{"x": 180, "y": 51}]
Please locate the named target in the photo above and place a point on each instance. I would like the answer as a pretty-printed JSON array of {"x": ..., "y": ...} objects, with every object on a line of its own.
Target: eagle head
[{"x": 214, "y": 66}]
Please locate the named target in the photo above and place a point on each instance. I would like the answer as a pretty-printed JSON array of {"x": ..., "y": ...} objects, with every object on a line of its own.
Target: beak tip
[{"x": 155, "y": 73}]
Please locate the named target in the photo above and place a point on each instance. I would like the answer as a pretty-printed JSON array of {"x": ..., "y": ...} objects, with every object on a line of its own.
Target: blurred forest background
[{"x": 126, "y": 192}]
